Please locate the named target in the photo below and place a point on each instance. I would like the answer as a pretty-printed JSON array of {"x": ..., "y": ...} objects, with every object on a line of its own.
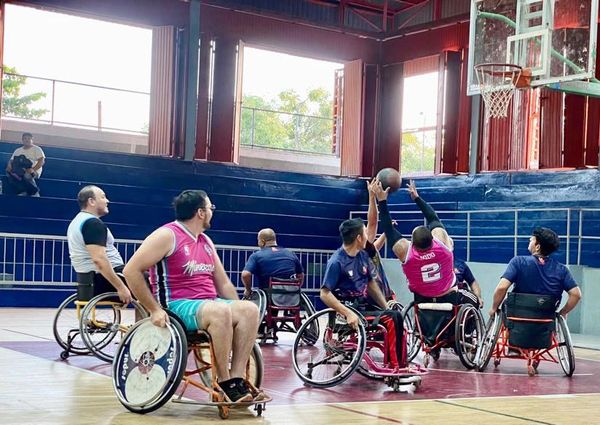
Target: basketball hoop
[{"x": 497, "y": 84}]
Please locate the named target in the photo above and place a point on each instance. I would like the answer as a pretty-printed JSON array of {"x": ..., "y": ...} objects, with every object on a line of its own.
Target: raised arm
[
  {"x": 394, "y": 237},
  {"x": 372, "y": 213},
  {"x": 431, "y": 218}
]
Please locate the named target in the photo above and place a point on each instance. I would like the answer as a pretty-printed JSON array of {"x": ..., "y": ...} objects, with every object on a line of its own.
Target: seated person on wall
[
  {"x": 188, "y": 278},
  {"x": 92, "y": 248},
  {"x": 25, "y": 167},
  {"x": 272, "y": 261},
  {"x": 539, "y": 273},
  {"x": 427, "y": 261},
  {"x": 350, "y": 277},
  {"x": 466, "y": 280},
  {"x": 374, "y": 244}
]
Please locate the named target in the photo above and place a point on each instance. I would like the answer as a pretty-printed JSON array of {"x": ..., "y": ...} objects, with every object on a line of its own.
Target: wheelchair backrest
[
  {"x": 284, "y": 293},
  {"x": 529, "y": 319}
]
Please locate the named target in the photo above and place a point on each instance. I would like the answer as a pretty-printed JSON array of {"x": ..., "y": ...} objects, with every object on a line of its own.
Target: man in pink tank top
[
  {"x": 188, "y": 278},
  {"x": 427, "y": 261}
]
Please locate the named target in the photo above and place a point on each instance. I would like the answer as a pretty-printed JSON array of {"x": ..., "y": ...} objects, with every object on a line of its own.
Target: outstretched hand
[
  {"x": 380, "y": 194},
  {"x": 371, "y": 186},
  {"x": 412, "y": 190}
]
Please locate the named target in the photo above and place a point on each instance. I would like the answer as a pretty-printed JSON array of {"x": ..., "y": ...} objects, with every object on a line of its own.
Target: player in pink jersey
[
  {"x": 427, "y": 261},
  {"x": 188, "y": 278}
]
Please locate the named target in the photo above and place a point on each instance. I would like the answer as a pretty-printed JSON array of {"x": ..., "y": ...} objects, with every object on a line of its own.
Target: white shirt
[{"x": 34, "y": 153}]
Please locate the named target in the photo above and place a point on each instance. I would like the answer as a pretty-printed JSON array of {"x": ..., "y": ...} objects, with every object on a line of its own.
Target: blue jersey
[
  {"x": 347, "y": 277},
  {"x": 273, "y": 261},
  {"x": 534, "y": 275},
  {"x": 464, "y": 276}
]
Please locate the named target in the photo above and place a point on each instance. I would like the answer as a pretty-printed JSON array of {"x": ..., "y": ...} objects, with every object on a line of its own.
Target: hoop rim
[{"x": 512, "y": 68}]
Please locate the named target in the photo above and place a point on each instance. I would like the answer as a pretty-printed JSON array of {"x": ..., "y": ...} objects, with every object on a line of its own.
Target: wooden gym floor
[{"x": 36, "y": 387}]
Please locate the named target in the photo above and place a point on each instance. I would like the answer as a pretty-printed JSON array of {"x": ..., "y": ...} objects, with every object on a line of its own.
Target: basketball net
[{"x": 497, "y": 84}]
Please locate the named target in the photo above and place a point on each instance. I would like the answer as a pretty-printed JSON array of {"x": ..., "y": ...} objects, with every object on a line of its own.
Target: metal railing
[
  {"x": 469, "y": 227},
  {"x": 34, "y": 260},
  {"x": 99, "y": 107},
  {"x": 294, "y": 143}
]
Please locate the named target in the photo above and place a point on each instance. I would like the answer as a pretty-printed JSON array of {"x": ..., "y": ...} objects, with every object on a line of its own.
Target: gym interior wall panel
[
  {"x": 223, "y": 101},
  {"x": 517, "y": 156},
  {"x": 351, "y": 153},
  {"x": 592, "y": 132},
  {"x": 574, "y": 130},
  {"x": 464, "y": 119},
  {"x": 161, "y": 91},
  {"x": 370, "y": 123},
  {"x": 551, "y": 128},
  {"x": 204, "y": 105},
  {"x": 390, "y": 133},
  {"x": 451, "y": 109},
  {"x": 287, "y": 37}
]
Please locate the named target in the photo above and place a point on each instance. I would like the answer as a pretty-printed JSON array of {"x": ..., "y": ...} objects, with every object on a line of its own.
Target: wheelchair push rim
[
  {"x": 566, "y": 357},
  {"x": 335, "y": 352},
  {"x": 149, "y": 365},
  {"x": 101, "y": 324}
]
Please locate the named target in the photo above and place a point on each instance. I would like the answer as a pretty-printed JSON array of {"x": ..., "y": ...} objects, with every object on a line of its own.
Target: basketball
[{"x": 389, "y": 178}]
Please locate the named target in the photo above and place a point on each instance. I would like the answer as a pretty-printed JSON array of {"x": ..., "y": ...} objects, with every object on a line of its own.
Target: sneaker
[
  {"x": 234, "y": 391},
  {"x": 258, "y": 395}
]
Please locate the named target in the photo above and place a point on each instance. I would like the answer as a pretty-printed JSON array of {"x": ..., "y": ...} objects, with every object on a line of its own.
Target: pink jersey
[
  {"x": 186, "y": 273},
  {"x": 429, "y": 273}
]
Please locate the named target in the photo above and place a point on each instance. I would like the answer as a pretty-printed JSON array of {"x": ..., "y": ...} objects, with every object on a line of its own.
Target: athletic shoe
[
  {"x": 258, "y": 396},
  {"x": 234, "y": 391}
]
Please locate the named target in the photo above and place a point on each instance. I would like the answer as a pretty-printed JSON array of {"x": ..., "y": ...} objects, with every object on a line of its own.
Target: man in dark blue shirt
[
  {"x": 466, "y": 280},
  {"x": 538, "y": 273},
  {"x": 272, "y": 261},
  {"x": 350, "y": 276}
]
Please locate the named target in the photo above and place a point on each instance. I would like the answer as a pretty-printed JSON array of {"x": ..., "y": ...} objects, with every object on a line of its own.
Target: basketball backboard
[{"x": 556, "y": 39}]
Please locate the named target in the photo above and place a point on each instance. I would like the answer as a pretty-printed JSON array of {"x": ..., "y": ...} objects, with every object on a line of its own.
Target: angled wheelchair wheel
[
  {"x": 104, "y": 322},
  {"x": 259, "y": 298},
  {"x": 255, "y": 368},
  {"x": 334, "y": 352},
  {"x": 306, "y": 312},
  {"x": 66, "y": 328},
  {"x": 468, "y": 334},
  {"x": 413, "y": 339},
  {"x": 566, "y": 356},
  {"x": 149, "y": 365},
  {"x": 489, "y": 342}
]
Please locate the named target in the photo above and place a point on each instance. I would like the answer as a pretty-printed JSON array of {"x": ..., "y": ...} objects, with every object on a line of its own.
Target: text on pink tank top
[
  {"x": 188, "y": 273},
  {"x": 429, "y": 273}
]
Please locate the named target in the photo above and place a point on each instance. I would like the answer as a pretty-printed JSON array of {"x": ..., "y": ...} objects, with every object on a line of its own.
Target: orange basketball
[{"x": 389, "y": 178}]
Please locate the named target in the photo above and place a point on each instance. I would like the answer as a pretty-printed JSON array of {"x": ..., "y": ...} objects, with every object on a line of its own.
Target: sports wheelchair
[
  {"x": 327, "y": 351},
  {"x": 283, "y": 307},
  {"x": 527, "y": 327},
  {"x": 151, "y": 362},
  {"x": 433, "y": 326},
  {"x": 95, "y": 326}
]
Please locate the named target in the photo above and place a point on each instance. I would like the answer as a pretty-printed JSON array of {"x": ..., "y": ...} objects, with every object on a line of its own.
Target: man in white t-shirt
[{"x": 23, "y": 178}]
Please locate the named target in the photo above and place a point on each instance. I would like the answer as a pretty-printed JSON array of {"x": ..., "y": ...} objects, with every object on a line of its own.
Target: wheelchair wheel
[
  {"x": 335, "y": 353},
  {"x": 566, "y": 356},
  {"x": 307, "y": 311},
  {"x": 255, "y": 367},
  {"x": 149, "y": 365},
  {"x": 66, "y": 328},
  {"x": 259, "y": 298},
  {"x": 468, "y": 334},
  {"x": 413, "y": 339},
  {"x": 103, "y": 323},
  {"x": 489, "y": 342}
]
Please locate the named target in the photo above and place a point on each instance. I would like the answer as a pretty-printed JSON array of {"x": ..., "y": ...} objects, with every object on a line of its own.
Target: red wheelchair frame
[{"x": 496, "y": 345}]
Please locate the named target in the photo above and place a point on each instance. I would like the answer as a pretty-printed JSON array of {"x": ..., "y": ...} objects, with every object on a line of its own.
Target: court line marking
[
  {"x": 494, "y": 412},
  {"x": 372, "y": 415},
  {"x": 26, "y": 334},
  {"x": 552, "y": 375}
]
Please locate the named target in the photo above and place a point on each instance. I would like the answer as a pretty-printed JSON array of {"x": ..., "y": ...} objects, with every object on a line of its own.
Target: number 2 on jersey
[{"x": 430, "y": 272}]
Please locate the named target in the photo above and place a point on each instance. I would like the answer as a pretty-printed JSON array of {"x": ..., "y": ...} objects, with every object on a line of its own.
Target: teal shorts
[{"x": 190, "y": 311}]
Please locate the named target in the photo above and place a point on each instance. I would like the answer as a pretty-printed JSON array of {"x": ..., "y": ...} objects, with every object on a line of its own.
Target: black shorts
[{"x": 461, "y": 296}]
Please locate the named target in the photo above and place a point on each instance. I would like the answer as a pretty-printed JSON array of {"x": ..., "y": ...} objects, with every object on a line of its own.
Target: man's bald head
[{"x": 266, "y": 237}]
